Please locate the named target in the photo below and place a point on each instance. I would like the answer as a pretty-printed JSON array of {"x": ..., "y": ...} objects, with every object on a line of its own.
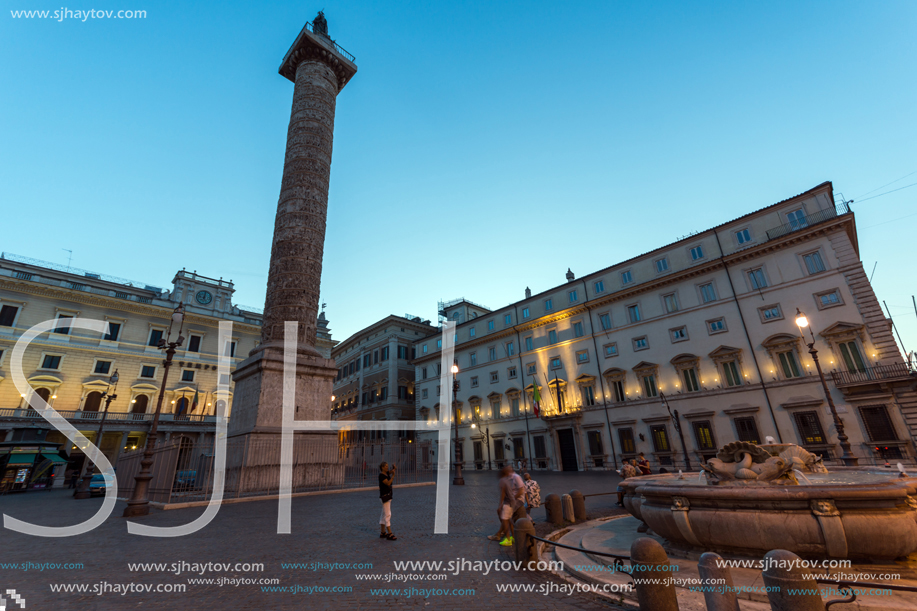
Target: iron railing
[
  {"x": 867, "y": 375},
  {"x": 808, "y": 221},
  {"x": 337, "y": 47},
  {"x": 83, "y": 416}
]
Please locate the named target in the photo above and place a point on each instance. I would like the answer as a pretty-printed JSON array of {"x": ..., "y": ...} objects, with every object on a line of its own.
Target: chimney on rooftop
[{"x": 528, "y": 292}]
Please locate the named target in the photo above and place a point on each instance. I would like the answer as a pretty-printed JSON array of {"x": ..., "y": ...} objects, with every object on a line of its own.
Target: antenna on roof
[{"x": 69, "y": 258}]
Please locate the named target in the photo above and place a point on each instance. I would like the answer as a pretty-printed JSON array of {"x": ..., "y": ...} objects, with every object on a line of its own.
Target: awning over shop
[
  {"x": 21, "y": 459},
  {"x": 55, "y": 458}
]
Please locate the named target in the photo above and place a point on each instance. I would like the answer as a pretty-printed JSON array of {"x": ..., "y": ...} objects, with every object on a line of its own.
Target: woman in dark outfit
[{"x": 386, "y": 476}]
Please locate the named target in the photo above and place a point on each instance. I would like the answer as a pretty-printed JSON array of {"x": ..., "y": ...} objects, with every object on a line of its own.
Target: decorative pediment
[
  {"x": 143, "y": 386},
  {"x": 724, "y": 351},
  {"x": 615, "y": 374},
  {"x": 493, "y": 395},
  {"x": 585, "y": 380},
  {"x": 474, "y": 400},
  {"x": 44, "y": 380},
  {"x": 403, "y": 381},
  {"x": 96, "y": 385},
  {"x": 512, "y": 392},
  {"x": 685, "y": 359},
  {"x": 645, "y": 367},
  {"x": 780, "y": 339},
  {"x": 558, "y": 382},
  {"x": 184, "y": 390},
  {"x": 842, "y": 331}
]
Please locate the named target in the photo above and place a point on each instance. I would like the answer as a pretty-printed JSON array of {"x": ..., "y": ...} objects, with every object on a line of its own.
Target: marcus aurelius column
[{"x": 319, "y": 69}]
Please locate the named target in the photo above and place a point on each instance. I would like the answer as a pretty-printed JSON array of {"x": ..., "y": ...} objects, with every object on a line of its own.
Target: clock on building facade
[{"x": 203, "y": 297}]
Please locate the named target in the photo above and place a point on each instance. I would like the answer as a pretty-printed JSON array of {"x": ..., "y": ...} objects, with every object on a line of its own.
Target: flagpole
[
  {"x": 548, "y": 384},
  {"x": 560, "y": 406}
]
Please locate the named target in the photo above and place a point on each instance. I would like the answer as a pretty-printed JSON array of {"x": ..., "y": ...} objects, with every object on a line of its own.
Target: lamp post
[
  {"x": 676, "y": 422},
  {"x": 457, "y": 480},
  {"x": 486, "y": 434},
  {"x": 82, "y": 492},
  {"x": 139, "y": 504},
  {"x": 847, "y": 456}
]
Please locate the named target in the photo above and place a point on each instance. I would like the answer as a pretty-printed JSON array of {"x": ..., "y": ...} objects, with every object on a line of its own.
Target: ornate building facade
[{"x": 703, "y": 327}]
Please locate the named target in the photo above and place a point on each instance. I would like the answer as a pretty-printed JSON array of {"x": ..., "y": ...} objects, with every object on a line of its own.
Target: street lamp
[
  {"x": 82, "y": 492},
  {"x": 139, "y": 504},
  {"x": 485, "y": 433},
  {"x": 847, "y": 456},
  {"x": 676, "y": 422},
  {"x": 457, "y": 480}
]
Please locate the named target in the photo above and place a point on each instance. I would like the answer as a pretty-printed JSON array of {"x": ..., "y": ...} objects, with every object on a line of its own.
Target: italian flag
[
  {"x": 536, "y": 399},
  {"x": 194, "y": 402}
]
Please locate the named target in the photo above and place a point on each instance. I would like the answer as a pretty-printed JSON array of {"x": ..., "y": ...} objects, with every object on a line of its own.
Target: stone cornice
[{"x": 309, "y": 46}]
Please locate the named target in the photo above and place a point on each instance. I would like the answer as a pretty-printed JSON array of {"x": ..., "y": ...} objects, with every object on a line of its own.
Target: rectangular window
[
  {"x": 530, "y": 369},
  {"x": 649, "y": 385},
  {"x": 595, "y": 443},
  {"x": 660, "y": 437},
  {"x": 731, "y": 372},
  {"x": 474, "y": 358},
  {"x": 618, "y": 390},
  {"x": 66, "y": 329},
  {"x": 707, "y": 292},
  {"x": 510, "y": 348},
  {"x": 194, "y": 343},
  {"x": 403, "y": 352},
  {"x": 611, "y": 349},
  {"x": 626, "y": 277},
  {"x": 424, "y": 349},
  {"x": 514, "y": 406},
  {"x": 8, "y": 315},
  {"x": 626, "y": 437},
  {"x": 494, "y": 377},
  {"x": 679, "y": 334},
  {"x": 572, "y": 295},
  {"x": 471, "y": 332},
  {"x": 814, "y": 264},
  {"x": 662, "y": 265},
  {"x": 810, "y": 430},
  {"x": 423, "y": 373},
  {"x": 511, "y": 373},
  {"x": 747, "y": 429},
  {"x": 582, "y": 357},
  {"x": 368, "y": 359},
  {"x": 492, "y": 352},
  {"x": 577, "y": 329},
  {"x": 384, "y": 394},
  {"x": 756, "y": 278},
  {"x": 797, "y": 219},
  {"x": 423, "y": 393},
  {"x": 525, "y": 313},
  {"x": 439, "y": 343},
  {"x": 474, "y": 381},
  {"x": 640, "y": 343},
  {"x": 376, "y": 356},
  {"x": 114, "y": 331},
  {"x": 850, "y": 352},
  {"x": 548, "y": 305},
  {"x": 690, "y": 377},
  {"x": 697, "y": 252},
  {"x": 552, "y": 336},
  {"x": 769, "y": 313},
  {"x": 743, "y": 237},
  {"x": 633, "y": 313},
  {"x": 403, "y": 392},
  {"x": 51, "y": 362},
  {"x": 829, "y": 299},
  {"x": 555, "y": 364},
  {"x": 588, "y": 396},
  {"x": 498, "y": 450},
  {"x": 788, "y": 364},
  {"x": 490, "y": 325},
  {"x": 540, "y": 449},
  {"x": 508, "y": 319},
  {"x": 529, "y": 343},
  {"x": 703, "y": 433},
  {"x": 671, "y": 302},
  {"x": 716, "y": 326},
  {"x": 187, "y": 375},
  {"x": 383, "y": 354},
  {"x": 599, "y": 287},
  {"x": 102, "y": 367},
  {"x": 878, "y": 425},
  {"x": 232, "y": 353},
  {"x": 147, "y": 371},
  {"x": 605, "y": 321}
]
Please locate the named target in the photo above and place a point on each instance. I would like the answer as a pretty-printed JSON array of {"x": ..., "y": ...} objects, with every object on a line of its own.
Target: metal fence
[
  {"x": 811, "y": 219},
  {"x": 183, "y": 471}
]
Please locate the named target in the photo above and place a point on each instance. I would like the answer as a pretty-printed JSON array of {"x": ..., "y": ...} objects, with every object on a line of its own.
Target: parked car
[{"x": 100, "y": 482}]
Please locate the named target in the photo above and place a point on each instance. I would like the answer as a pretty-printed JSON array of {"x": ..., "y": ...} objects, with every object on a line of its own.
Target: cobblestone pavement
[{"x": 332, "y": 528}]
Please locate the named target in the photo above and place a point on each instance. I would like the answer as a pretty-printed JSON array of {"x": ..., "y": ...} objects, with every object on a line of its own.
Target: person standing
[
  {"x": 509, "y": 502},
  {"x": 644, "y": 465},
  {"x": 519, "y": 493},
  {"x": 74, "y": 478},
  {"x": 532, "y": 494},
  {"x": 386, "y": 476},
  {"x": 628, "y": 470}
]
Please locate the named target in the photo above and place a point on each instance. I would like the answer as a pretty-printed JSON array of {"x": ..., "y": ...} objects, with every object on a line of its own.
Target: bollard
[
  {"x": 712, "y": 574},
  {"x": 526, "y": 549},
  {"x": 579, "y": 505},
  {"x": 554, "y": 510},
  {"x": 520, "y": 513},
  {"x": 782, "y": 573},
  {"x": 646, "y": 560},
  {"x": 568, "y": 508}
]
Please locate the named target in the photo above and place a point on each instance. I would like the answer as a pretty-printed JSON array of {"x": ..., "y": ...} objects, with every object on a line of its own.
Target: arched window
[
  {"x": 45, "y": 394},
  {"x": 93, "y": 401},
  {"x": 182, "y": 406},
  {"x": 140, "y": 404}
]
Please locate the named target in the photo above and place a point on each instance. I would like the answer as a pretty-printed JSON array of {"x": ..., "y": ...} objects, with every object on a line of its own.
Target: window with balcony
[{"x": 850, "y": 353}]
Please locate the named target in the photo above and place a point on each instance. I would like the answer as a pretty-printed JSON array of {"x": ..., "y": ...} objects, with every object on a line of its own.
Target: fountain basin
[{"x": 874, "y": 517}]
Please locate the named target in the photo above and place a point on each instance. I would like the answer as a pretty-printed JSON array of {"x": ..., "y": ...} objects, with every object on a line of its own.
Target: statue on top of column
[{"x": 320, "y": 25}]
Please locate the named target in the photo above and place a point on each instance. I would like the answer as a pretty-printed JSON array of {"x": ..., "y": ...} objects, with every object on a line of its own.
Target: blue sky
[{"x": 481, "y": 148}]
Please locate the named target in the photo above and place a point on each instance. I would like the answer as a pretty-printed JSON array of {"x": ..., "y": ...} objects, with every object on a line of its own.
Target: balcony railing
[
  {"x": 808, "y": 221},
  {"x": 115, "y": 417},
  {"x": 871, "y": 375},
  {"x": 338, "y": 47}
]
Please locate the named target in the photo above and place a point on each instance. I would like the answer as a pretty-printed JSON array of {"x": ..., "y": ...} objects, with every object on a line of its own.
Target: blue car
[{"x": 100, "y": 482}]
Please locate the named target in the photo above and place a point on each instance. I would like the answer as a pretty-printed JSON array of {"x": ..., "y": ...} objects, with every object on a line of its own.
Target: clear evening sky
[{"x": 481, "y": 148}]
